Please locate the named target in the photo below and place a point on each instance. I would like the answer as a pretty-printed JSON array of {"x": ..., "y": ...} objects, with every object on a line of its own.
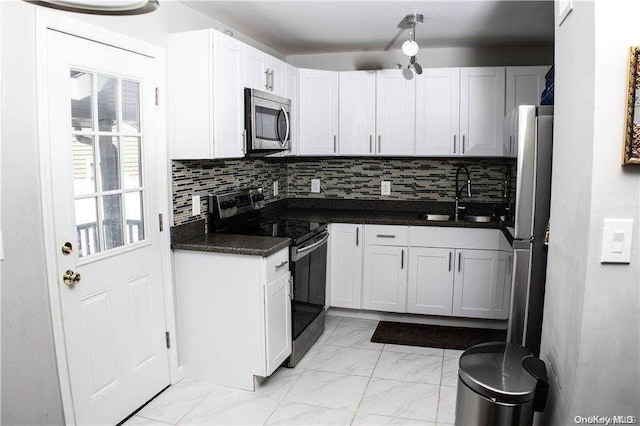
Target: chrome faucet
[{"x": 460, "y": 188}]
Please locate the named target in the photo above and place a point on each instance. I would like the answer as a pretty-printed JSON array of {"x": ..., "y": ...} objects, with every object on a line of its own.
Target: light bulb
[{"x": 410, "y": 48}]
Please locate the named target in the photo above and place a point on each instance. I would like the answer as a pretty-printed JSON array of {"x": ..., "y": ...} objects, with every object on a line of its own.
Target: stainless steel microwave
[{"x": 267, "y": 122}]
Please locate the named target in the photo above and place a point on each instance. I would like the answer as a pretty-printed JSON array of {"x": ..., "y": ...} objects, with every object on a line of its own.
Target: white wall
[
  {"x": 591, "y": 332},
  {"x": 30, "y": 386},
  {"x": 427, "y": 57}
]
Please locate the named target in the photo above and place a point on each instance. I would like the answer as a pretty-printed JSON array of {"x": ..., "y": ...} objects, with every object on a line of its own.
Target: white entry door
[{"x": 104, "y": 175}]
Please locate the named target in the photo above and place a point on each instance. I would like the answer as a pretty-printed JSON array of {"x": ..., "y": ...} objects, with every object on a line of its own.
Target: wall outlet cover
[
  {"x": 315, "y": 186},
  {"x": 616, "y": 241},
  {"x": 275, "y": 188},
  {"x": 195, "y": 205},
  {"x": 385, "y": 187}
]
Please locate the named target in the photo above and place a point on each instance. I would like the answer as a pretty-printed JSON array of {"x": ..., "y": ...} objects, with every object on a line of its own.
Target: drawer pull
[
  {"x": 385, "y": 236},
  {"x": 280, "y": 265}
]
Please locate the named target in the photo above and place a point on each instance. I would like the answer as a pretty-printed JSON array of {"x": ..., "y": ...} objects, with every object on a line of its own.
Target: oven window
[{"x": 267, "y": 123}]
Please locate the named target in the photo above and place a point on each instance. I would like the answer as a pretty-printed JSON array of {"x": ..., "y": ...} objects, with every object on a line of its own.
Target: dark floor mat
[{"x": 434, "y": 336}]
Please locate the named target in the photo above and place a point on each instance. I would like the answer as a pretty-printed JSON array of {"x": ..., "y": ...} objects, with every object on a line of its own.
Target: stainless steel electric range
[{"x": 240, "y": 213}]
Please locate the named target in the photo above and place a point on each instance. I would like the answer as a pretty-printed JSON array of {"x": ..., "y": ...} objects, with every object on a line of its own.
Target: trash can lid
[{"x": 495, "y": 371}]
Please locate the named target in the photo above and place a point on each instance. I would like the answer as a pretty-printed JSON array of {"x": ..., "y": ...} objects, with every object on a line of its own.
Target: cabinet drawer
[
  {"x": 386, "y": 235},
  {"x": 455, "y": 238},
  {"x": 277, "y": 265}
]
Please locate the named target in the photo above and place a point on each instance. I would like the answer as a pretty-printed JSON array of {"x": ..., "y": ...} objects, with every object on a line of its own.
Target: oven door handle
[{"x": 314, "y": 245}]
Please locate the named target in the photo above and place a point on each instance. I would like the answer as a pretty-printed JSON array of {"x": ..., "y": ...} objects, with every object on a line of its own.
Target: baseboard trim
[{"x": 418, "y": 319}]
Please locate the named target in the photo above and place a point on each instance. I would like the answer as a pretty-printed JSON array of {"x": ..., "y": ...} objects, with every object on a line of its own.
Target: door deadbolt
[
  {"x": 67, "y": 248},
  {"x": 71, "y": 278}
]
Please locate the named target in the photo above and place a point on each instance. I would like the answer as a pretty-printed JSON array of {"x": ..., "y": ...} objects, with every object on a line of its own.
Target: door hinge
[
  {"x": 168, "y": 339},
  {"x": 160, "y": 222},
  {"x": 157, "y": 96}
]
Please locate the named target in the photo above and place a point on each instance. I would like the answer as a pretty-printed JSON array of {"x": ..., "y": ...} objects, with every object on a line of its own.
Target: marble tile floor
[{"x": 343, "y": 380}]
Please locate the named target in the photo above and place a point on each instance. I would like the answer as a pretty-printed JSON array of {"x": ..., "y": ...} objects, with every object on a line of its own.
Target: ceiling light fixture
[
  {"x": 101, "y": 7},
  {"x": 410, "y": 47}
]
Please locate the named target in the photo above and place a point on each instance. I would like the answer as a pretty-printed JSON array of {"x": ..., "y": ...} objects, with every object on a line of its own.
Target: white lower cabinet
[
  {"x": 430, "y": 288},
  {"x": 385, "y": 278},
  {"x": 277, "y": 314},
  {"x": 480, "y": 285},
  {"x": 468, "y": 275},
  {"x": 345, "y": 261},
  {"x": 233, "y": 314}
]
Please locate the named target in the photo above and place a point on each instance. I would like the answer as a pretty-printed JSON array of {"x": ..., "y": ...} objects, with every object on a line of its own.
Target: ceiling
[{"x": 300, "y": 27}]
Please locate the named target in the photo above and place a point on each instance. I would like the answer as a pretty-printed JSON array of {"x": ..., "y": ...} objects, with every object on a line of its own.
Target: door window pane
[
  {"x": 131, "y": 162},
  {"x": 109, "y": 163},
  {"x": 86, "y": 226},
  {"x": 130, "y": 106},
  {"x": 84, "y": 172},
  {"x": 112, "y": 221},
  {"x": 81, "y": 100},
  {"x": 134, "y": 216},
  {"x": 107, "y": 104}
]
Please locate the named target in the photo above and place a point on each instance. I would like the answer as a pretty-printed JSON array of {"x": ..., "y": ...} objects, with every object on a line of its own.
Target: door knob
[
  {"x": 71, "y": 278},
  {"x": 67, "y": 248}
]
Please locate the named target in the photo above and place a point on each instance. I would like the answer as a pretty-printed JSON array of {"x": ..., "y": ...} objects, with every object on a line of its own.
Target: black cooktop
[{"x": 298, "y": 231}]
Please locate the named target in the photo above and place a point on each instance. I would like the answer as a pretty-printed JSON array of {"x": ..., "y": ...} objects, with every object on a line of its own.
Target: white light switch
[
  {"x": 315, "y": 186},
  {"x": 195, "y": 205},
  {"x": 385, "y": 187},
  {"x": 616, "y": 240}
]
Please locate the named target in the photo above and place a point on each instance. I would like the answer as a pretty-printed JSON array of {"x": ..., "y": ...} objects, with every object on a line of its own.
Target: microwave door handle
[{"x": 286, "y": 117}]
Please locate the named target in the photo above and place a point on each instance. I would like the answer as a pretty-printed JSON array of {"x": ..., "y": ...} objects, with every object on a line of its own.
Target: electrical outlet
[
  {"x": 385, "y": 187},
  {"x": 195, "y": 205},
  {"x": 275, "y": 188},
  {"x": 315, "y": 186}
]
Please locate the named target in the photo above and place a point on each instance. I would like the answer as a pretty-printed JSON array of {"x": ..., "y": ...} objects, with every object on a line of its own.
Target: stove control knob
[
  {"x": 228, "y": 204},
  {"x": 257, "y": 197}
]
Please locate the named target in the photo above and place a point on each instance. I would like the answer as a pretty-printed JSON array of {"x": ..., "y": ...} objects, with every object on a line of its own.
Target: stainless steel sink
[
  {"x": 432, "y": 217},
  {"x": 477, "y": 219}
]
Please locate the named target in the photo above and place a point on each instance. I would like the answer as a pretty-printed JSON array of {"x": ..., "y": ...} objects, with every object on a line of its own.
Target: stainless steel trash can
[{"x": 500, "y": 384}]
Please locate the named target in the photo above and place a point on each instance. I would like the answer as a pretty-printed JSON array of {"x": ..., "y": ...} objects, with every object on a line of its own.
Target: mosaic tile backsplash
[{"x": 412, "y": 179}]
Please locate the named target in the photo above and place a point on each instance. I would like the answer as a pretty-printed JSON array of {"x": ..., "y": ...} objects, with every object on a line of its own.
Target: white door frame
[{"x": 45, "y": 21}]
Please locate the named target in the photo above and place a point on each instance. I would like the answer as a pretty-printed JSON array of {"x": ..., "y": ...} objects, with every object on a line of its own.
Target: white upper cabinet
[
  {"x": 205, "y": 99},
  {"x": 277, "y": 76},
  {"x": 263, "y": 72},
  {"x": 255, "y": 68},
  {"x": 524, "y": 85},
  {"x": 438, "y": 112},
  {"x": 482, "y": 111},
  {"x": 357, "y": 112},
  {"x": 396, "y": 113},
  {"x": 318, "y": 107}
]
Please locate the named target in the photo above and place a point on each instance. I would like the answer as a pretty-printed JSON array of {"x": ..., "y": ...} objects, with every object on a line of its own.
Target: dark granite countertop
[
  {"x": 192, "y": 235},
  {"x": 234, "y": 244},
  {"x": 371, "y": 218}
]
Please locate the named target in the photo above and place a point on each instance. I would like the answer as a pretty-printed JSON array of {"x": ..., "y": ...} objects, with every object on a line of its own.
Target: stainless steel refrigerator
[{"x": 532, "y": 133}]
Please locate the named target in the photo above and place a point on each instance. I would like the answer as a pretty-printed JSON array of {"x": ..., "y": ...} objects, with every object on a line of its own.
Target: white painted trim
[
  {"x": 47, "y": 20},
  {"x": 418, "y": 319},
  {"x": 564, "y": 9}
]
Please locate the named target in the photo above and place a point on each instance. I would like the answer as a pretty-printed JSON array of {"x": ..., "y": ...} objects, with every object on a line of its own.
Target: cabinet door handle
[
  {"x": 370, "y": 144},
  {"x": 463, "y": 138},
  {"x": 402, "y": 259},
  {"x": 449, "y": 261},
  {"x": 454, "y": 144},
  {"x": 335, "y": 143},
  {"x": 379, "y": 144},
  {"x": 281, "y": 264},
  {"x": 271, "y": 81},
  {"x": 266, "y": 79},
  {"x": 244, "y": 142},
  {"x": 357, "y": 236},
  {"x": 459, "y": 261},
  {"x": 385, "y": 236}
]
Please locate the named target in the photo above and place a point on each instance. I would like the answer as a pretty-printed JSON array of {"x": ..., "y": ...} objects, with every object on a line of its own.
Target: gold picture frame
[{"x": 631, "y": 154}]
